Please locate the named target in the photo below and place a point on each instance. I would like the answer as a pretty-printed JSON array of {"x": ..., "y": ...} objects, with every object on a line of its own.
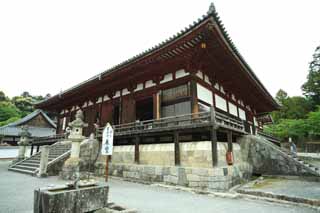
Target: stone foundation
[
  {"x": 192, "y": 154},
  {"x": 218, "y": 178},
  {"x": 195, "y": 170}
]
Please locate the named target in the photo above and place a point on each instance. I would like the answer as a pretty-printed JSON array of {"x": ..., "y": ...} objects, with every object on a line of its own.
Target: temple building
[
  {"x": 194, "y": 86},
  {"x": 37, "y": 122}
]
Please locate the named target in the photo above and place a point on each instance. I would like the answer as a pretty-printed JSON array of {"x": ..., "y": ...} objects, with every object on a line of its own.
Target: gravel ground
[{"x": 16, "y": 196}]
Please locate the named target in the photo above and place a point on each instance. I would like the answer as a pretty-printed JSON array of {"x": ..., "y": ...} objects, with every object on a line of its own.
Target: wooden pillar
[
  {"x": 31, "y": 151},
  {"x": 58, "y": 123},
  {"x": 100, "y": 111},
  {"x": 229, "y": 136},
  {"x": 38, "y": 148},
  {"x": 156, "y": 105},
  {"x": 176, "y": 148},
  {"x": 136, "y": 150},
  {"x": 194, "y": 97},
  {"x": 213, "y": 136}
]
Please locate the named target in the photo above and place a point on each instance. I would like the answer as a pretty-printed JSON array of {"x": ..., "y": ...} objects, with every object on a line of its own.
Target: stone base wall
[
  {"x": 195, "y": 170},
  {"x": 192, "y": 154},
  {"x": 267, "y": 158},
  {"x": 157, "y": 154},
  {"x": 218, "y": 178}
]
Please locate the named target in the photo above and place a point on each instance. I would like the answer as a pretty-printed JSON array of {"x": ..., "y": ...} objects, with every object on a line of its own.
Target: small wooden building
[
  {"x": 39, "y": 125},
  {"x": 164, "y": 89}
]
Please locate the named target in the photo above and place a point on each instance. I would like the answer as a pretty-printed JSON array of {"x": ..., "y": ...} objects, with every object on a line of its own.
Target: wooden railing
[
  {"x": 268, "y": 136},
  {"x": 195, "y": 120}
]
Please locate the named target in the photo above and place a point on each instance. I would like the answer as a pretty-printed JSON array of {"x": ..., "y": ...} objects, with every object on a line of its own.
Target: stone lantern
[
  {"x": 71, "y": 167},
  {"x": 75, "y": 135},
  {"x": 23, "y": 143}
]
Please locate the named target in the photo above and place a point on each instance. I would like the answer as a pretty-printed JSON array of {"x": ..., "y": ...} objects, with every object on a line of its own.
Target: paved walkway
[
  {"x": 289, "y": 188},
  {"x": 16, "y": 196}
]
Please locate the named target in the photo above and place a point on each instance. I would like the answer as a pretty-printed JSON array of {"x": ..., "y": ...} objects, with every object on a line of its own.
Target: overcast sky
[{"x": 48, "y": 46}]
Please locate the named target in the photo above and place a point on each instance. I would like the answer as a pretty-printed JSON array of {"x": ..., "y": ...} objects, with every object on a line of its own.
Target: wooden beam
[
  {"x": 156, "y": 106},
  {"x": 229, "y": 136},
  {"x": 194, "y": 96},
  {"x": 31, "y": 151},
  {"x": 214, "y": 148},
  {"x": 136, "y": 150},
  {"x": 176, "y": 148},
  {"x": 214, "y": 138}
]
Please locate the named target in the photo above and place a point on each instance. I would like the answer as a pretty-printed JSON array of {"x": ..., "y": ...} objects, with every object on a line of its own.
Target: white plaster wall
[
  {"x": 181, "y": 73},
  {"x": 204, "y": 94},
  {"x": 242, "y": 114},
  {"x": 139, "y": 87},
  {"x": 149, "y": 83},
  {"x": 168, "y": 77},
  {"x": 233, "y": 109},
  {"x": 221, "y": 103}
]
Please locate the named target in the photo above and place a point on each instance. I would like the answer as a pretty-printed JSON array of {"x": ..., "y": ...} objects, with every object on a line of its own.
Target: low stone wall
[
  {"x": 192, "y": 154},
  {"x": 123, "y": 154},
  {"x": 157, "y": 154},
  {"x": 218, "y": 178},
  {"x": 195, "y": 170}
]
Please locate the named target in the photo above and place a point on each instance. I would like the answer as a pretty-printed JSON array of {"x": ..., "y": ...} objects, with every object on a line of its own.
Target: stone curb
[
  {"x": 236, "y": 195},
  {"x": 309, "y": 202},
  {"x": 233, "y": 193}
]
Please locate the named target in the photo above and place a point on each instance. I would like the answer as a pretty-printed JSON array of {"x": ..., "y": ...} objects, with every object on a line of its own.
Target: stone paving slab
[
  {"x": 294, "y": 190},
  {"x": 16, "y": 196}
]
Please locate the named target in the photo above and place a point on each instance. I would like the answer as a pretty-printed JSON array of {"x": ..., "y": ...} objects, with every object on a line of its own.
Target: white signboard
[{"x": 107, "y": 140}]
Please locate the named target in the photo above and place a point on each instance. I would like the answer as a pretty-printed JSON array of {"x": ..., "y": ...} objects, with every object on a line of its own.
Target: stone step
[
  {"x": 49, "y": 159},
  {"x": 25, "y": 167},
  {"x": 33, "y": 161},
  {"x": 30, "y": 164},
  {"x": 21, "y": 171}
]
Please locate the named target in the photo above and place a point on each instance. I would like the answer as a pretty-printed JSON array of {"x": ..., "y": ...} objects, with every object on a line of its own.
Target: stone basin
[{"x": 65, "y": 199}]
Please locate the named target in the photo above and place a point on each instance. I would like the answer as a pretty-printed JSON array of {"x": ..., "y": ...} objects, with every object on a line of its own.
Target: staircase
[
  {"x": 268, "y": 159},
  {"x": 308, "y": 166},
  {"x": 31, "y": 165}
]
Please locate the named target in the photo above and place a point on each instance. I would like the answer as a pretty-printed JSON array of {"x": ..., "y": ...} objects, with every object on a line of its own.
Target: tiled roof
[
  {"x": 14, "y": 128},
  {"x": 34, "y": 131},
  {"x": 212, "y": 13},
  {"x": 29, "y": 117}
]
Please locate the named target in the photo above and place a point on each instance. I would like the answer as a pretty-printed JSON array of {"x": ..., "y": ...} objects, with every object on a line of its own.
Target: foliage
[
  {"x": 8, "y": 110},
  {"x": 2, "y": 96},
  {"x": 314, "y": 123},
  {"x": 24, "y": 104},
  {"x": 298, "y": 129},
  {"x": 311, "y": 88},
  {"x": 296, "y": 107},
  {"x": 17, "y": 107},
  {"x": 10, "y": 120}
]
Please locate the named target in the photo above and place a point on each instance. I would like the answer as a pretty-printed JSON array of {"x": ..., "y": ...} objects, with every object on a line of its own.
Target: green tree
[
  {"x": 8, "y": 110},
  {"x": 24, "y": 104},
  {"x": 311, "y": 88},
  {"x": 2, "y": 96},
  {"x": 314, "y": 123},
  {"x": 281, "y": 96},
  {"x": 296, "y": 107}
]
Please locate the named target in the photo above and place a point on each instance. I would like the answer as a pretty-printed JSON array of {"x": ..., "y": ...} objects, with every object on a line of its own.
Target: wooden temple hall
[{"x": 194, "y": 86}]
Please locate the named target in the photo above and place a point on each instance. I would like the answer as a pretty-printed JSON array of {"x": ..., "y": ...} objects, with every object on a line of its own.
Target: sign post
[{"x": 107, "y": 145}]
